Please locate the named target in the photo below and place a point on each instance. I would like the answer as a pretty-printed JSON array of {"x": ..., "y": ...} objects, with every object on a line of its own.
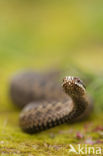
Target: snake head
[{"x": 73, "y": 86}]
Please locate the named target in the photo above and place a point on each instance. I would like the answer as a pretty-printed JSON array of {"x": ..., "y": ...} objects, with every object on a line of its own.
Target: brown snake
[{"x": 48, "y": 104}]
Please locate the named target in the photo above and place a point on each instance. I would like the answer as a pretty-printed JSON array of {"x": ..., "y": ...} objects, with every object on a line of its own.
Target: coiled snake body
[{"x": 46, "y": 103}]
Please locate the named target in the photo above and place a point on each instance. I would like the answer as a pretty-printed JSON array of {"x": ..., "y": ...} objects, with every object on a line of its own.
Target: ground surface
[{"x": 40, "y": 36}]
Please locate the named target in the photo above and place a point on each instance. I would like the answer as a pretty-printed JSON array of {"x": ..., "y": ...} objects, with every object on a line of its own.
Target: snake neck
[{"x": 80, "y": 104}]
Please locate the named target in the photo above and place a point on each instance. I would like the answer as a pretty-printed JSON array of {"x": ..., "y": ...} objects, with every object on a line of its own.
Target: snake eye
[
  {"x": 81, "y": 82},
  {"x": 78, "y": 81}
]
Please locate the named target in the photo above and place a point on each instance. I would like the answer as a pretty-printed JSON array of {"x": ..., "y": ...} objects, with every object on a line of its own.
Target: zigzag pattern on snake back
[{"x": 64, "y": 104}]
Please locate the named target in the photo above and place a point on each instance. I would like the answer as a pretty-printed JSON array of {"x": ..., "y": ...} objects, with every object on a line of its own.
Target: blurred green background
[
  {"x": 47, "y": 34},
  {"x": 44, "y": 35},
  {"x": 41, "y": 34}
]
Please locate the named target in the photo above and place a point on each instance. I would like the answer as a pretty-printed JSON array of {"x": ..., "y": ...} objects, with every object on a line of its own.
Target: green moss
[{"x": 53, "y": 142}]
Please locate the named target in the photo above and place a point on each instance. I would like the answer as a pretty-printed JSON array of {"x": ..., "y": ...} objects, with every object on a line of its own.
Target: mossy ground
[
  {"x": 42, "y": 35},
  {"x": 51, "y": 142}
]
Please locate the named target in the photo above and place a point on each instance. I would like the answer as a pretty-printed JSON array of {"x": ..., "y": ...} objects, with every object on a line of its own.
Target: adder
[{"x": 46, "y": 103}]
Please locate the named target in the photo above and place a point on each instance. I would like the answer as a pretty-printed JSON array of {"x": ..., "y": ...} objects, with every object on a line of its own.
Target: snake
[{"x": 47, "y": 103}]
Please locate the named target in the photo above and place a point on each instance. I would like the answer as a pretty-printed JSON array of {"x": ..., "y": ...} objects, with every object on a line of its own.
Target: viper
[{"x": 47, "y": 103}]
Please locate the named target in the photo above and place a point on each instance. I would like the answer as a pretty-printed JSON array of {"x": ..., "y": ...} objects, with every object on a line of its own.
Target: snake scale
[{"x": 45, "y": 102}]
